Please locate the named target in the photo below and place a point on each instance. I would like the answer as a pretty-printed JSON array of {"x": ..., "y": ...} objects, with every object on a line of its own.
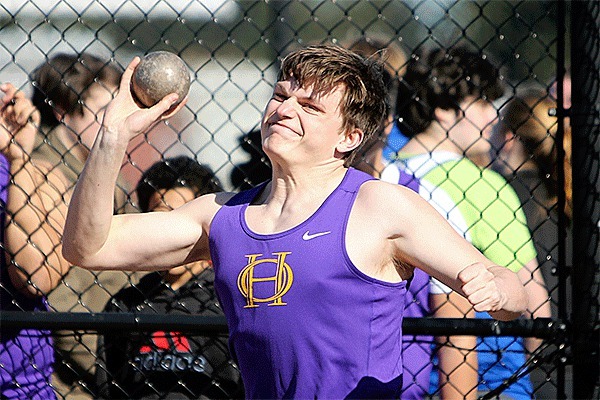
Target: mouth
[{"x": 279, "y": 127}]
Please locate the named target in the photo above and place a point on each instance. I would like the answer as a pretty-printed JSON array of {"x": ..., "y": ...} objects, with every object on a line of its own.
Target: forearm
[
  {"x": 90, "y": 211},
  {"x": 458, "y": 377},
  {"x": 538, "y": 305},
  {"x": 91, "y": 207},
  {"x": 35, "y": 214}
]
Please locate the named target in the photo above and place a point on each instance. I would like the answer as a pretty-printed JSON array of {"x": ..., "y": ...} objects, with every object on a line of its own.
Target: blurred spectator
[
  {"x": 257, "y": 169},
  {"x": 444, "y": 105},
  {"x": 32, "y": 213},
  {"x": 71, "y": 91},
  {"x": 527, "y": 158},
  {"x": 166, "y": 364},
  {"x": 394, "y": 59}
]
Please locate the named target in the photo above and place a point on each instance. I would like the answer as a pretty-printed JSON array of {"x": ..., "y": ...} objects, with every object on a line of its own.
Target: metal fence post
[{"x": 586, "y": 200}]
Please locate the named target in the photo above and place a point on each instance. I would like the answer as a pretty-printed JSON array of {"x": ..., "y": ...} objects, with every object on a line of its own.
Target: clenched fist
[{"x": 483, "y": 289}]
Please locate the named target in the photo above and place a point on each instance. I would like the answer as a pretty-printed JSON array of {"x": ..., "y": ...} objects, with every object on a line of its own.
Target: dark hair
[
  {"x": 257, "y": 169},
  {"x": 443, "y": 79},
  {"x": 326, "y": 66},
  {"x": 175, "y": 172},
  {"x": 61, "y": 83},
  {"x": 391, "y": 55}
]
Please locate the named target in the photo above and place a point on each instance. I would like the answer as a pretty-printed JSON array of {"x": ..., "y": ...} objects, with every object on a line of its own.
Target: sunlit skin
[
  {"x": 299, "y": 124},
  {"x": 167, "y": 200}
]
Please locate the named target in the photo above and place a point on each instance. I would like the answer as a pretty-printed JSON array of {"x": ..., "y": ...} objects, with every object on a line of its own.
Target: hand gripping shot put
[{"x": 158, "y": 74}]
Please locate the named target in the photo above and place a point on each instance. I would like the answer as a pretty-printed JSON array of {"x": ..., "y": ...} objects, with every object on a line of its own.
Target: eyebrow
[{"x": 311, "y": 98}]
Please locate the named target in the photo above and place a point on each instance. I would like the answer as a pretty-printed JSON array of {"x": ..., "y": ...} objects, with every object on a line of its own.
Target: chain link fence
[{"x": 233, "y": 49}]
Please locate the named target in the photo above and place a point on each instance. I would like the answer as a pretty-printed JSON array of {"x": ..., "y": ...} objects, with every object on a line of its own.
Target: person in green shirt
[{"x": 448, "y": 113}]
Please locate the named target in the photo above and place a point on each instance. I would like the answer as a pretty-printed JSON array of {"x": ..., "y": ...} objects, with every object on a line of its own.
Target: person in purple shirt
[
  {"x": 416, "y": 375},
  {"x": 32, "y": 212},
  {"x": 311, "y": 267}
]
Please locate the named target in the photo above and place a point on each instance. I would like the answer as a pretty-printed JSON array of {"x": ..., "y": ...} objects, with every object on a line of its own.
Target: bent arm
[
  {"x": 91, "y": 208},
  {"x": 427, "y": 241},
  {"x": 93, "y": 238},
  {"x": 35, "y": 215}
]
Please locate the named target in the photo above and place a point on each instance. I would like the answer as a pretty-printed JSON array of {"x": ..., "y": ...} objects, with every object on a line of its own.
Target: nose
[{"x": 286, "y": 108}]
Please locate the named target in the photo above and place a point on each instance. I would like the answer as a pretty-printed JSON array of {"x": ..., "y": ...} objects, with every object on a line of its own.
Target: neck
[
  {"x": 515, "y": 160},
  {"x": 292, "y": 197},
  {"x": 299, "y": 182},
  {"x": 76, "y": 149}
]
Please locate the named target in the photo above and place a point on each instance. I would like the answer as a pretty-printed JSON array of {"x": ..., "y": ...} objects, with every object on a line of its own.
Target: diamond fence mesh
[{"x": 67, "y": 56}]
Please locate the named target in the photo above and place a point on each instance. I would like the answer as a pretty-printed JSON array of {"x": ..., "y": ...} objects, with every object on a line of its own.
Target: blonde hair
[{"x": 527, "y": 118}]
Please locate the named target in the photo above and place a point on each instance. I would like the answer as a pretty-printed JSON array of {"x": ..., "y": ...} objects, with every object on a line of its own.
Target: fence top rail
[{"x": 544, "y": 328}]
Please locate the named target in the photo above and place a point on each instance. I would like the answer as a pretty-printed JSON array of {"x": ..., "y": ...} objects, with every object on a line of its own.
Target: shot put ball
[{"x": 158, "y": 74}]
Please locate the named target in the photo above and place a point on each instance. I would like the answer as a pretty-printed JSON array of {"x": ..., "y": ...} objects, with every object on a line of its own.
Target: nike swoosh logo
[{"x": 308, "y": 236}]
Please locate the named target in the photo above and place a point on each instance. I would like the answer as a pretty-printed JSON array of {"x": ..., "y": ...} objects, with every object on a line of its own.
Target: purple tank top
[
  {"x": 26, "y": 355},
  {"x": 304, "y": 322}
]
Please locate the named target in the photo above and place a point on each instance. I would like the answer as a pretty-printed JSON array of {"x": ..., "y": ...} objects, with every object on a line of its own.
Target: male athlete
[{"x": 310, "y": 267}]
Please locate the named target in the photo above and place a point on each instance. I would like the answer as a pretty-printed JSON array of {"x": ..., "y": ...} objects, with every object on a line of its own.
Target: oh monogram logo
[{"x": 282, "y": 279}]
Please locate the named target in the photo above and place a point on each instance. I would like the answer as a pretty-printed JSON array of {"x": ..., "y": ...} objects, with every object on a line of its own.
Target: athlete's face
[{"x": 299, "y": 125}]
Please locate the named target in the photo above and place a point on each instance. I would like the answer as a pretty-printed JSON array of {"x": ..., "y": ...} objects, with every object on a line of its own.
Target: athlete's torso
[{"x": 303, "y": 320}]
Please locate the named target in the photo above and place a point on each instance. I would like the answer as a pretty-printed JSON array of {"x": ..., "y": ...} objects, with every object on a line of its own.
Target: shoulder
[
  {"x": 388, "y": 200},
  {"x": 204, "y": 208}
]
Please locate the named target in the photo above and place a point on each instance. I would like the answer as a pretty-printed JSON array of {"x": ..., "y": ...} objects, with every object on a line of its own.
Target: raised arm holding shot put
[{"x": 311, "y": 267}]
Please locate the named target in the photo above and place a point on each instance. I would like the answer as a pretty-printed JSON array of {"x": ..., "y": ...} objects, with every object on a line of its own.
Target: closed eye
[
  {"x": 278, "y": 97},
  {"x": 312, "y": 107}
]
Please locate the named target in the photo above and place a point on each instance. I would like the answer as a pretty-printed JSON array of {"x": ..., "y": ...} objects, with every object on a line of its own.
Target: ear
[
  {"x": 389, "y": 125},
  {"x": 350, "y": 140},
  {"x": 58, "y": 114},
  {"x": 446, "y": 118},
  {"x": 510, "y": 140}
]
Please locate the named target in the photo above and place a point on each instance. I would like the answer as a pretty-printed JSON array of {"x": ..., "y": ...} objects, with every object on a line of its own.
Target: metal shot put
[{"x": 158, "y": 74}]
